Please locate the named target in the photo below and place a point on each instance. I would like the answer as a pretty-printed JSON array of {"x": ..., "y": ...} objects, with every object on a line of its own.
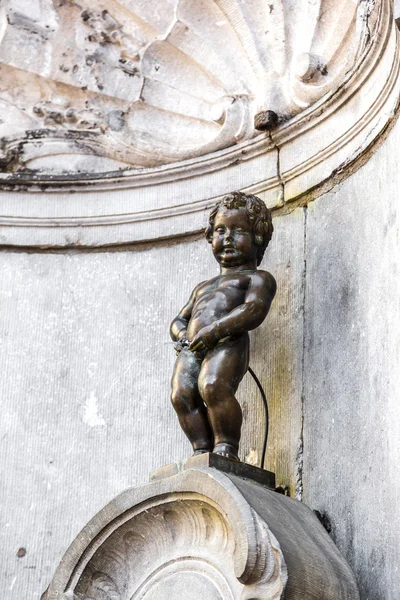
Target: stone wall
[
  {"x": 351, "y": 368},
  {"x": 86, "y": 366}
]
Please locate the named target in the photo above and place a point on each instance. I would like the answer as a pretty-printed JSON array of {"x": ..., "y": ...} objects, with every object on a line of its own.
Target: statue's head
[{"x": 258, "y": 219}]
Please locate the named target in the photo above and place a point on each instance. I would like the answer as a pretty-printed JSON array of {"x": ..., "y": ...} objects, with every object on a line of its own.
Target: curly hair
[{"x": 258, "y": 214}]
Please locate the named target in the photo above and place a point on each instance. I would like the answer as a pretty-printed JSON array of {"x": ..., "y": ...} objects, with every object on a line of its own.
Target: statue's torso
[{"x": 216, "y": 298}]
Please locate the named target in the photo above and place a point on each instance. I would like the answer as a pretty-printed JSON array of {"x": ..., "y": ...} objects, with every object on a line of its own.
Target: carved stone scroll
[{"x": 203, "y": 534}]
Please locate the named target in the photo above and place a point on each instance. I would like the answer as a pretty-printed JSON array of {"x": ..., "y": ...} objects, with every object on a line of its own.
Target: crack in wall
[
  {"x": 368, "y": 8},
  {"x": 299, "y": 467},
  {"x": 281, "y": 198}
]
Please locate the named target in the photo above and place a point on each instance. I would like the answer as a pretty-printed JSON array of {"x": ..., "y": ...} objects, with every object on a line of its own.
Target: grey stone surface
[
  {"x": 203, "y": 534},
  {"x": 352, "y": 369},
  {"x": 277, "y": 357},
  {"x": 87, "y": 360}
]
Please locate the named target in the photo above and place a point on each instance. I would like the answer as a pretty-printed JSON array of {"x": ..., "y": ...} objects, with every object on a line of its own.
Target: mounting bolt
[
  {"x": 283, "y": 489},
  {"x": 265, "y": 120}
]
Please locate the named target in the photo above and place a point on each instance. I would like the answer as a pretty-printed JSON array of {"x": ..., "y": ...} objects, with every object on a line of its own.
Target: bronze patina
[{"x": 211, "y": 330}]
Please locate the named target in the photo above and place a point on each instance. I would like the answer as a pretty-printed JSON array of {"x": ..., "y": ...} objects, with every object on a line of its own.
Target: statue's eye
[{"x": 220, "y": 229}]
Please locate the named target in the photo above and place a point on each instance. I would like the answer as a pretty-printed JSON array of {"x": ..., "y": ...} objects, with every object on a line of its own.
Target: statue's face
[{"x": 232, "y": 241}]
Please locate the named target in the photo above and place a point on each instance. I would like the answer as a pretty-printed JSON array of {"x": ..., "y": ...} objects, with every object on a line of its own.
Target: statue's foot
[
  {"x": 226, "y": 450},
  {"x": 201, "y": 451}
]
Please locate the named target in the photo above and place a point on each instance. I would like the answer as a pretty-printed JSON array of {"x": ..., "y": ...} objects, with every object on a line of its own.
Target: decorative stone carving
[
  {"x": 188, "y": 83},
  {"x": 128, "y": 95},
  {"x": 203, "y": 534}
]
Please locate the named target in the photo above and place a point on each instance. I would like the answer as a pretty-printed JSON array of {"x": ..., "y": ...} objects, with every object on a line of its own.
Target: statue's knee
[
  {"x": 176, "y": 400},
  {"x": 211, "y": 391},
  {"x": 180, "y": 401}
]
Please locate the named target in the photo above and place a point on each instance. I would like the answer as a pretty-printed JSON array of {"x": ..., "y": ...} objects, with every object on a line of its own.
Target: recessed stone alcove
[{"x": 76, "y": 350}]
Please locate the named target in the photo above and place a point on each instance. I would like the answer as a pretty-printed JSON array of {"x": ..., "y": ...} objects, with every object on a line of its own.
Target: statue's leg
[
  {"x": 221, "y": 372},
  {"x": 188, "y": 404}
]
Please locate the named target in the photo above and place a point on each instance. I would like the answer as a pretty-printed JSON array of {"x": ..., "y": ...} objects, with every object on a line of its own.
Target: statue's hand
[
  {"x": 206, "y": 339},
  {"x": 180, "y": 345}
]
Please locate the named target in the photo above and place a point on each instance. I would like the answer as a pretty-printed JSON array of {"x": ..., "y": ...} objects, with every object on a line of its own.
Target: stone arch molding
[{"x": 154, "y": 101}]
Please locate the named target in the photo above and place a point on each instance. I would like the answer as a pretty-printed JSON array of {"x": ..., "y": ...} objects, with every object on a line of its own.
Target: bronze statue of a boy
[{"x": 211, "y": 330}]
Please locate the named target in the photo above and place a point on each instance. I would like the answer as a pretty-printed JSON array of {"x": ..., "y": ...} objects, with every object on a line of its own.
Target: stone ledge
[{"x": 223, "y": 464}]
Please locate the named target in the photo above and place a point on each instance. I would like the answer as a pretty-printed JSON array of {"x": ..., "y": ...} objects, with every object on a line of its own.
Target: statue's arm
[
  {"x": 245, "y": 317},
  {"x": 179, "y": 325},
  {"x": 258, "y": 300},
  {"x": 252, "y": 312}
]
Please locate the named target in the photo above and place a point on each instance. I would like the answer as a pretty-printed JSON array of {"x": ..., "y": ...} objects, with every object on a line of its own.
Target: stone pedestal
[{"x": 200, "y": 533}]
